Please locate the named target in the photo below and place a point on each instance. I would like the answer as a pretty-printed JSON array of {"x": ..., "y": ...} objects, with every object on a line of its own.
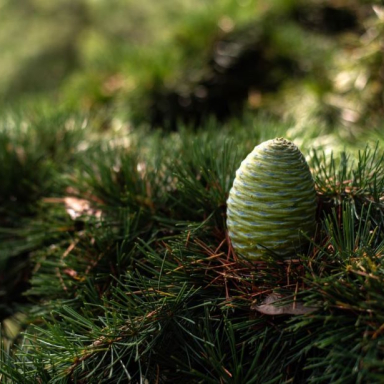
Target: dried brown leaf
[{"x": 270, "y": 306}]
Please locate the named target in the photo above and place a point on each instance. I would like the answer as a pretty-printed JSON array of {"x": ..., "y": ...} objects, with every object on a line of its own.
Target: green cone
[{"x": 272, "y": 198}]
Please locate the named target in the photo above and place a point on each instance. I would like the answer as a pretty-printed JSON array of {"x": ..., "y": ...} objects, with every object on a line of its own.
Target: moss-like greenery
[
  {"x": 128, "y": 273},
  {"x": 189, "y": 60}
]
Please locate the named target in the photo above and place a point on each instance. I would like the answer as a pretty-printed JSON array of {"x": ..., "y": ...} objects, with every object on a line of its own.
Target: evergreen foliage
[
  {"x": 133, "y": 278},
  {"x": 115, "y": 261}
]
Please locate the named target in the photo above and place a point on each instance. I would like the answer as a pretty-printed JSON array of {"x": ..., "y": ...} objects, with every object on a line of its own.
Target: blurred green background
[{"x": 167, "y": 62}]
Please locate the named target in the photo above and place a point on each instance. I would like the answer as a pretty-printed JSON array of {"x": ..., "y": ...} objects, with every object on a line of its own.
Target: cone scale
[{"x": 272, "y": 199}]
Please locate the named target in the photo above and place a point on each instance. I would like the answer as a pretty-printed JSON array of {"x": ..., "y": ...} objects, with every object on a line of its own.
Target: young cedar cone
[{"x": 272, "y": 199}]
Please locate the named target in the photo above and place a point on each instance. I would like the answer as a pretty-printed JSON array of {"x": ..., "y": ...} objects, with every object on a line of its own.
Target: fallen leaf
[
  {"x": 270, "y": 306},
  {"x": 76, "y": 207}
]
